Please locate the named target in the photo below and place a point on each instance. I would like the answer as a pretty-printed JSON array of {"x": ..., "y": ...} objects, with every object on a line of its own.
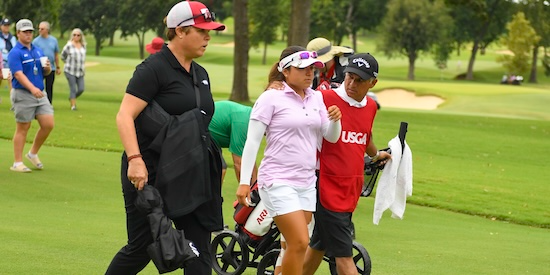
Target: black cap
[
  {"x": 362, "y": 64},
  {"x": 6, "y": 21}
]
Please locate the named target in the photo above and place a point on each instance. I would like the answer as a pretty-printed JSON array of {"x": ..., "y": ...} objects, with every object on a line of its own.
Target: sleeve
[
  {"x": 14, "y": 62},
  {"x": 256, "y": 130},
  {"x": 264, "y": 107},
  {"x": 144, "y": 84},
  {"x": 65, "y": 53},
  {"x": 332, "y": 130}
]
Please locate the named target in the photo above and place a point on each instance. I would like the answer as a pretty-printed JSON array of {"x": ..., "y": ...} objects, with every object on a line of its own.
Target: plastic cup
[
  {"x": 5, "y": 73},
  {"x": 43, "y": 60}
]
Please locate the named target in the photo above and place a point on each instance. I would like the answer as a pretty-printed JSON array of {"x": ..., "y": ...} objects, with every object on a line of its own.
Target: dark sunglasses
[{"x": 208, "y": 17}]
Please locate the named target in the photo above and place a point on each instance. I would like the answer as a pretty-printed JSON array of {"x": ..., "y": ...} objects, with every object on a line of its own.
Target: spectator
[
  {"x": 342, "y": 164},
  {"x": 74, "y": 56},
  {"x": 335, "y": 59},
  {"x": 6, "y": 43},
  {"x": 155, "y": 45},
  {"x": 165, "y": 85},
  {"x": 27, "y": 96},
  {"x": 49, "y": 46},
  {"x": 294, "y": 120}
]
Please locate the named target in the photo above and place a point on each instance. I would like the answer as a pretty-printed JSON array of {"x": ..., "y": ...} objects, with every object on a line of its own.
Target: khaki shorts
[{"x": 26, "y": 106}]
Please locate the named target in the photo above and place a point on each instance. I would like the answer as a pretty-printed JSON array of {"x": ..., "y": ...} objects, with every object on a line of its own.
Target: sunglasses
[
  {"x": 297, "y": 57},
  {"x": 208, "y": 17}
]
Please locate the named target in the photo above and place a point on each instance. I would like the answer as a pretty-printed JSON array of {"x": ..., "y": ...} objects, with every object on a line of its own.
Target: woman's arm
[
  {"x": 130, "y": 108},
  {"x": 256, "y": 130},
  {"x": 65, "y": 53},
  {"x": 332, "y": 129}
]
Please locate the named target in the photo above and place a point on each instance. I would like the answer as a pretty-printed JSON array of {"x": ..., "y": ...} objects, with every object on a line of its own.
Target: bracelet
[
  {"x": 134, "y": 157},
  {"x": 375, "y": 158}
]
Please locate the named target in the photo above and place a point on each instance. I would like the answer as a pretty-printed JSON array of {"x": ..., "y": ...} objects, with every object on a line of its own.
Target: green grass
[{"x": 479, "y": 203}]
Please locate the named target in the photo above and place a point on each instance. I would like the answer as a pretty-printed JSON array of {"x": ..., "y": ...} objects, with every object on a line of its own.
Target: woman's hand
[
  {"x": 137, "y": 173},
  {"x": 334, "y": 113},
  {"x": 243, "y": 194}
]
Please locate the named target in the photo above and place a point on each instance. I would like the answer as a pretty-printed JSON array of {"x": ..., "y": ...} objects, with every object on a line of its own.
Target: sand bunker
[
  {"x": 399, "y": 98},
  {"x": 91, "y": 64}
]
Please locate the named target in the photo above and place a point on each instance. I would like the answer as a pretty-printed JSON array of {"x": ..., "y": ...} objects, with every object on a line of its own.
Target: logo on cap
[{"x": 360, "y": 62}]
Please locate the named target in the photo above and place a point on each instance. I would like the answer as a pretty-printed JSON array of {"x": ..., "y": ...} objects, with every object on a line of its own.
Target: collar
[
  {"x": 167, "y": 53},
  {"x": 308, "y": 92},
  {"x": 341, "y": 92},
  {"x": 21, "y": 46}
]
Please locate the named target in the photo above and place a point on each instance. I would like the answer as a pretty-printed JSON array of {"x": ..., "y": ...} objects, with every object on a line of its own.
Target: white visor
[{"x": 302, "y": 59}]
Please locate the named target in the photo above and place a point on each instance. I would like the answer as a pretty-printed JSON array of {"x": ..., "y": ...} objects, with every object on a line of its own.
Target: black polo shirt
[{"x": 162, "y": 78}]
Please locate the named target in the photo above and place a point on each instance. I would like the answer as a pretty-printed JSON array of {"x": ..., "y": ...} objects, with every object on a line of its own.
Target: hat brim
[
  {"x": 304, "y": 63},
  {"x": 149, "y": 48},
  {"x": 26, "y": 29},
  {"x": 362, "y": 74},
  {"x": 334, "y": 51},
  {"x": 210, "y": 26}
]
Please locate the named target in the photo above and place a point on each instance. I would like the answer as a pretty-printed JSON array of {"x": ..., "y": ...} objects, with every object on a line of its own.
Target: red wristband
[{"x": 134, "y": 157}]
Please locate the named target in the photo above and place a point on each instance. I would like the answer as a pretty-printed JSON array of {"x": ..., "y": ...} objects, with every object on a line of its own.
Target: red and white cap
[{"x": 192, "y": 13}]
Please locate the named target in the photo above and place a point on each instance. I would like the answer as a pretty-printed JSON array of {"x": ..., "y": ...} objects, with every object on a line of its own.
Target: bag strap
[{"x": 196, "y": 85}]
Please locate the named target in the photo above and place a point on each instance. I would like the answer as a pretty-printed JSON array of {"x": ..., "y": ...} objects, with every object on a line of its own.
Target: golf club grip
[{"x": 403, "y": 133}]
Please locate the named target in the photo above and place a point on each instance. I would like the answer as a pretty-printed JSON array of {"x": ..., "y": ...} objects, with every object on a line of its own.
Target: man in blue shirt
[
  {"x": 48, "y": 44},
  {"x": 7, "y": 41},
  {"x": 27, "y": 96}
]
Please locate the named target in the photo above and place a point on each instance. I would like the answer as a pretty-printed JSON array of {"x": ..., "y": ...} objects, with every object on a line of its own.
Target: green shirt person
[{"x": 228, "y": 128}]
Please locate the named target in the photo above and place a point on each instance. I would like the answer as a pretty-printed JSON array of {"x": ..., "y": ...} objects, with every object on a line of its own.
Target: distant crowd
[{"x": 30, "y": 64}]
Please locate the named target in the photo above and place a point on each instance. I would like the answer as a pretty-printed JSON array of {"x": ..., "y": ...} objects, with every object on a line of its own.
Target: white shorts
[{"x": 280, "y": 199}]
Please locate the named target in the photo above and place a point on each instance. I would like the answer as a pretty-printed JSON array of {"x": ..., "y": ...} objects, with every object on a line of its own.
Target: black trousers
[
  {"x": 133, "y": 257},
  {"x": 49, "y": 85}
]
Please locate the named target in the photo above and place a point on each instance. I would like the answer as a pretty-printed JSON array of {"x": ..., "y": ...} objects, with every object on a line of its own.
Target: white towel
[{"x": 395, "y": 183}]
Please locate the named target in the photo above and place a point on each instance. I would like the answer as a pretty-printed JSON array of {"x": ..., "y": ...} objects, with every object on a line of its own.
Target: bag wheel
[
  {"x": 229, "y": 253},
  {"x": 268, "y": 261},
  {"x": 360, "y": 257}
]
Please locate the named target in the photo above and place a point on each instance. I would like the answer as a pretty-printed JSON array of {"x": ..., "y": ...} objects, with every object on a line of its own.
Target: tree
[
  {"x": 364, "y": 14},
  {"x": 328, "y": 18},
  {"x": 411, "y": 27},
  {"x": 478, "y": 21},
  {"x": 298, "y": 31},
  {"x": 538, "y": 14},
  {"x": 520, "y": 40},
  {"x": 265, "y": 18},
  {"x": 239, "y": 92},
  {"x": 140, "y": 16},
  {"x": 35, "y": 10},
  {"x": 98, "y": 17}
]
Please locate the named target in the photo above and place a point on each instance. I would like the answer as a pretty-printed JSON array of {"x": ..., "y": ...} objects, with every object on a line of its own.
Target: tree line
[{"x": 409, "y": 28}]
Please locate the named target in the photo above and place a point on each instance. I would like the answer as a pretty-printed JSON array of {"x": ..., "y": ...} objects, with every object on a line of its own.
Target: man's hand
[
  {"x": 276, "y": 85},
  {"x": 37, "y": 92}
]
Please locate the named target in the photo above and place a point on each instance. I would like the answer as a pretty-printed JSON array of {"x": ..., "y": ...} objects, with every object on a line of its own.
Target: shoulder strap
[{"x": 196, "y": 85}]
